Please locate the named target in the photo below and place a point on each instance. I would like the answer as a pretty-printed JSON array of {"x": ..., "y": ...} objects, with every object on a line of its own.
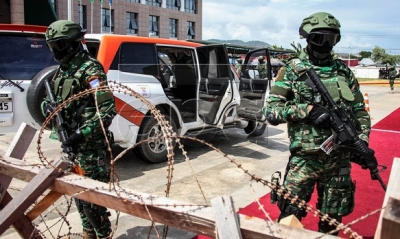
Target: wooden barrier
[
  {"x": 182, "y": 215},
  {"x": 389, "y": 220}
]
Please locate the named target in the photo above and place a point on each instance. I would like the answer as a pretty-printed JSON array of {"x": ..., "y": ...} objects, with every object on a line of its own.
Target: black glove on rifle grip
[{"x": 320, "y": 117}]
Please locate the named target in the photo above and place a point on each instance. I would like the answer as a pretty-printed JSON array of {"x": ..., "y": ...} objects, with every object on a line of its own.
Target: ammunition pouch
[{"x": 338, "y": 198}]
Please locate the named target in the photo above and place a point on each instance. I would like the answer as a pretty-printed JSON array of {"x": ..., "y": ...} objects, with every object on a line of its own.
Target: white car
[{"x": 193, "y": 85}]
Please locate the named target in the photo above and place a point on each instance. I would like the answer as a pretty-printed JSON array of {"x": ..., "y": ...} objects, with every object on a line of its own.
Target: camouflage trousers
[
  {"x": 94, "y": 217},
  {"x": 331, "y": 176},
  {"x": 391, "y": 82}
]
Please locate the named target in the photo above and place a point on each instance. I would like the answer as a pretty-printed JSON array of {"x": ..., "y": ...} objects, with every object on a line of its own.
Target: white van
[{"x": 193, "y": 85}]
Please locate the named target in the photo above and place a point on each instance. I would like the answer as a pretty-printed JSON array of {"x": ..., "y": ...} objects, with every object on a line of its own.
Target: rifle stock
[{"x": 343, "y": 128}]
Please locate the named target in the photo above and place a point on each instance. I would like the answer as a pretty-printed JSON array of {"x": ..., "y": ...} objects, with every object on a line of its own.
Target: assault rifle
[
  {"x": 343, "y": 129},
  {"x": 60, "y": 123}
]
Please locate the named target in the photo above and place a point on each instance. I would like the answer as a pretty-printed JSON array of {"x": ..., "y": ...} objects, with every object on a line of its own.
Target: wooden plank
[
  {"x": 17, "y": 149},
  {"x": 40, "y": 183},
  {"x": 45, "y": 203},
  {"x": 23, "y": 225},
  {"x": 393, "y": 191},
  {"x": 21, "y": 141},
  {"x": 226, "y": 218},
  {"x": 196, "y": 219},
  {"x": 391, "y": 220}
]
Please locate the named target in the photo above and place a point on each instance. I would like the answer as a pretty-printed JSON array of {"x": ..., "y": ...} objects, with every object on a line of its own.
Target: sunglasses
[{"x": 320, "y": 38}]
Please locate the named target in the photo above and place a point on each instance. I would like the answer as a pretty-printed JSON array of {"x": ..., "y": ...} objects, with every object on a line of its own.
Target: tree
[
  {"x": 365, "y": 54},
  {"x": 297, "y": 48},
  {"x": 380, "y": 55}
]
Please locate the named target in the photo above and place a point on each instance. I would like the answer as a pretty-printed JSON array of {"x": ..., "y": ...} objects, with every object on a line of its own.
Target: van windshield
[{"x": 23, "y": 55}]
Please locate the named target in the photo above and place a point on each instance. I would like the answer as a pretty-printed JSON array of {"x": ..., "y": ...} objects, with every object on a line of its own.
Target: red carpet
[
  {"x": 369, "y": 194},
  {"x": 391, "y": 122}
]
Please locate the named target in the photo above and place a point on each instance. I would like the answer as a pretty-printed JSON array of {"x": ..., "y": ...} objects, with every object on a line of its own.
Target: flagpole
[
  {"x": 91, "y": 17},
  {"x": 80, "y": 13},
  {"x": 101, "y": 16},
  {"x": 110, "y": 1}
]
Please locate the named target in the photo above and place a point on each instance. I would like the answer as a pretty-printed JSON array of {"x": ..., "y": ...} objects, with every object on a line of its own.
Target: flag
[
  {"x": 91, "y": 1},
  {"x": 110, "y": 1},
  {"x": 101, "y": 1}
]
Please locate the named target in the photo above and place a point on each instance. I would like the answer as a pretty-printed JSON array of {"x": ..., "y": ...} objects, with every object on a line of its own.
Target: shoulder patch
[{"x": 94, "y": 82}]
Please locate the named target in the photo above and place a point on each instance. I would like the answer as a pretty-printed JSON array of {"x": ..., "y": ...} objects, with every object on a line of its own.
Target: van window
[
  {"x": 23, "y": 55},
  {"x": 136, "y": 58}
]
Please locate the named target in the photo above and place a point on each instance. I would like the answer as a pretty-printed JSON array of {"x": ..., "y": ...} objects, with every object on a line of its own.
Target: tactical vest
[
  {"x": 71, "y": 82},
  {"x": 303, "y": 135}
]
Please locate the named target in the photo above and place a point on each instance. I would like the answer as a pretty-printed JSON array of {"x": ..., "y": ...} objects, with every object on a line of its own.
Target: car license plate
[{"x": 6, "y": 106}]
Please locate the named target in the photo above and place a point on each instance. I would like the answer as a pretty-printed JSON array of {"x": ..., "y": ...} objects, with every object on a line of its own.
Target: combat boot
[{"x": 89, "y": 234}]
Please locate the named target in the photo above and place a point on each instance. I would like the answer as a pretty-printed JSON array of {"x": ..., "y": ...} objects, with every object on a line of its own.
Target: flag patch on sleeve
[{"x": 94, "y": 83}]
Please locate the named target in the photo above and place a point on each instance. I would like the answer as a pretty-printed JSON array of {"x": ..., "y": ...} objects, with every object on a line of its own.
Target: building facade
[{"x": 176, "y": 19}]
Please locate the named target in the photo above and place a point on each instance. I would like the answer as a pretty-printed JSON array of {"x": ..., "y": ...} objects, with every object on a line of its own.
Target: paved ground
[{"x": 261, "y": 156}]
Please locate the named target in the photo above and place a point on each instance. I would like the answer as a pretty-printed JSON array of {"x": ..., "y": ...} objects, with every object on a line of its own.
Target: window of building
[
  {"x": 174, "y": 4},
  {"x": 153, "y": 26},
  {"x": 190, "y": 6},
  {"x": 156, "y": 3},
  {"x": 173, "y": 28},
  {"x": 107, "y": 24},
  {"x": 82, "y": 16},
  {"x": 131, "y": 23},
  {"x": 190, "y": 30},
  {"x": 138, "y": 1}
]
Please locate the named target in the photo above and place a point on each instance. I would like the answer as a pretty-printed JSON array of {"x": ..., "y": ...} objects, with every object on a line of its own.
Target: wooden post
[
  {"x": 393, "y": 191},
  {"x": 226, "y": 218},
  {"x": 391, "y": 220},
  {"x": 17, "y": 149},
  {"x": 40, "y": 183}
]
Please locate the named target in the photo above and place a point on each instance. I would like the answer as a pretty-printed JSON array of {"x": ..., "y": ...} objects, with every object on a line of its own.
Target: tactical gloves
[
  {"x": 320, "y": 116},
  {"x": 73, "y": 141}
]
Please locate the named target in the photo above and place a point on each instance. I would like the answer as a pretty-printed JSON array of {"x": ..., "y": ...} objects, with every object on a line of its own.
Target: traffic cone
[{"x": 366, "y": 102}]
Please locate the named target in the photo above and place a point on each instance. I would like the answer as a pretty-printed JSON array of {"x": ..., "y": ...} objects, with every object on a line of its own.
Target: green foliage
[
  {"x": 365, "y": 54},
  {"x": 297, "y": 48},
  {"x": 380, "y": 55}
]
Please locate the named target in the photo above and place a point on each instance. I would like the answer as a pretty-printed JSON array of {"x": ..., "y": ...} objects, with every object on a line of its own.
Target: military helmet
[
  {"x": 261, "y": 58},
  {"x": 319, "y": 20},
  {"x": 240, "y": 60},
  {"x": 63, "y": 38},
  {"x": 316, "y": 23}
]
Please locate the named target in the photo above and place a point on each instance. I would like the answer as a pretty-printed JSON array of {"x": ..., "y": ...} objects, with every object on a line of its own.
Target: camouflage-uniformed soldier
[
  {"x": 392, "y": 77},
  {"x": 262, "y": 67},
  {"x": 238, "y": 65},
  {"x": 80, "y": 71},
  {"x": 293, "y": 102}
]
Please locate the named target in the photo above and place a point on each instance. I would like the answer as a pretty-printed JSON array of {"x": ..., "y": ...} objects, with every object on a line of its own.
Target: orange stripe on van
[{"x": 128, "y": 112}]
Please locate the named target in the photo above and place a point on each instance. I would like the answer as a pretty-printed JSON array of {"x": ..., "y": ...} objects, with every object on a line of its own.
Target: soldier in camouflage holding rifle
[
  {"x": 79, "y": 71},
  {"x": 308, "y": 120}
]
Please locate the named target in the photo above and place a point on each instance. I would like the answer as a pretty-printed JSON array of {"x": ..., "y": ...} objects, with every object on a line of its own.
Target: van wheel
[
  {"x": 155, "y": 150},
  {"x": 255, "y": 129},
  {"x": 37, "y": 92}
]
